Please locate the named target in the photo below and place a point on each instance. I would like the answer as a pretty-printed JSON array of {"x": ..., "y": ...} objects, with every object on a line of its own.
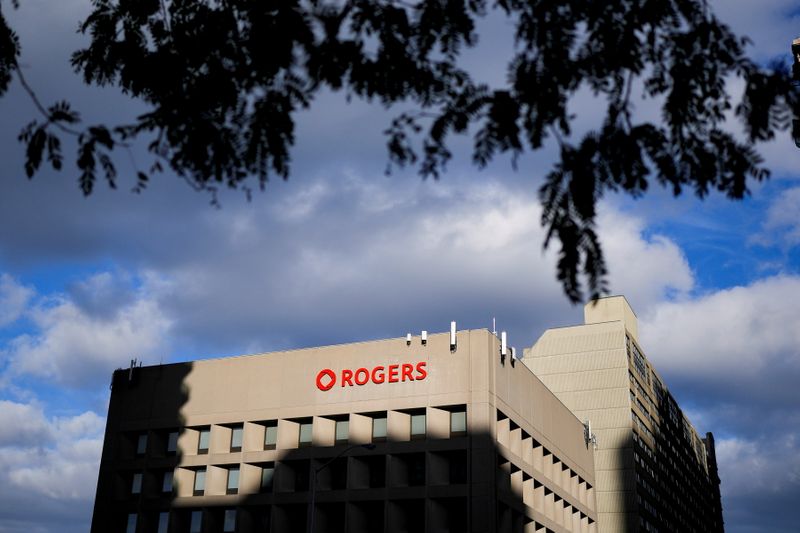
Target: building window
[
  {"x": 271, "y": 435},
  {"x": 342, "y": 431},
  {"x": 458, "y": 423},
  {"x": 196, "y": 522},
  {"x": 305, "y": 434},
  {"x": 229, "y": 521},
  {"x": 131, "y": 526},
  {"x": 141, "y": 444},
  {"x": 418, "y": 426},
  {"x": 136, "y": 485},
  {"x": 172, "y": 443},
  {"x": 237, "y": 432},
  {"x": 166, "y": 485},
  {"x": 163, "y": 522},
  {"x": 200, "y": 482},
  {"x": 379, "y": 429},
  {"x": 233, "y": 480},
  {"x": 267, "y": 475},
  {"x": 204, "y": 440}
]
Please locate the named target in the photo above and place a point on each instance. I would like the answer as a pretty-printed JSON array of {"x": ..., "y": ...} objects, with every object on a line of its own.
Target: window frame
[
  {"x": 202, "y": 472},
  {"x": 418, "y": 435},
  {"x": 262, "y": 486},
  {"x": 172, "y": 443},
  {"x": 271, "y": 427},
  {"x": 341, "y": 423},
  {"x": 225, "y": 515},
  {"x": 305, "y": 443},
  {"x": 385, "y": 420},
  {"x": 459, "y": 432},
  {"x": 200, "y": 449},
  {"x": 136, "y": 483},
  {"x": 228, "y": 488},
  {"x": 168, "y": 475},
  {"x": 234, "y": 429},
  {"x": 141, "y": 444}
]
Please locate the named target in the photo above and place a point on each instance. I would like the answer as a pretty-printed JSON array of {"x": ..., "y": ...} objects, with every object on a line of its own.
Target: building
[
  {"x": 439, "y": 433},
  {"x": 654, "y": 472}
]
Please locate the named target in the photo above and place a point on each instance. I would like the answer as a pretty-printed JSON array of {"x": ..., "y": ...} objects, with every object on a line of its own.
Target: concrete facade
[
  {"x": 390, "y": 435},
  {"x": 654, "y": 472}
]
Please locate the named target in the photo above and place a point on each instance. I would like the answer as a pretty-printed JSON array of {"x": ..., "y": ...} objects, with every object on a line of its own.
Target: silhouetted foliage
[{"x": 224, "y": 78}]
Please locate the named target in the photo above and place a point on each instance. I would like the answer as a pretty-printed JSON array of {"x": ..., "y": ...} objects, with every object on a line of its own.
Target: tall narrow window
[
  {"x": 136, "y": 485},
  {"x": 141, "y": 444},
  {"x": 196, "y": 522},
  {"x": 458, "y": 423},
  {"x": 163, "y": 522},
  {"x": 271, "y": 435},
  {"x": 229, "y": 521},
  {"x": 418, "y": 426},
  {"x": 379, "y": 429},
  {"x": 233, "y": 480},
  {"x": 237, "y": 432},
  {"x": 172, "y": 443},
  {"x": 267, "y": 475},
  {"x": 342, "y": 431},
  {"x": 305, "y": 434},
  {"x": 204, "y": 440},
  {"x": 131, "y": 526},
  {"x": 166, "y": 485},
  {"x": 200, "y": 482}
]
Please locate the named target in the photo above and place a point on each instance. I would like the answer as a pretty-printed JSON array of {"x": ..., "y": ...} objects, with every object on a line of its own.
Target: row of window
[
  {"x": 445, "y": 467},
  {"x": 195, "y": 522},
  {"x": 417, "y": 429}
]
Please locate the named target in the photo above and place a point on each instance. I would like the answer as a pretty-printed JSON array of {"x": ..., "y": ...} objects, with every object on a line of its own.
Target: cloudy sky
[{"x": 342, "y": 252}]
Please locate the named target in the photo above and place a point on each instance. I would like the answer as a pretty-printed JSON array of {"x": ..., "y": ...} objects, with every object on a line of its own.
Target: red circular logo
[{"x": 330, "y": 374}]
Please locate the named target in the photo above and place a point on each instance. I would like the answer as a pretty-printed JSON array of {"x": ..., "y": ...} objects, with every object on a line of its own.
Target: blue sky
[{"x": 343, "y": 253}]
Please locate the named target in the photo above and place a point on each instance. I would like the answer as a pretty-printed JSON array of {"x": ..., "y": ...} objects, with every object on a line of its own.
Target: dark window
[
  {"x": 141, "y": 444},
  {"x": 271, "y": 435}
]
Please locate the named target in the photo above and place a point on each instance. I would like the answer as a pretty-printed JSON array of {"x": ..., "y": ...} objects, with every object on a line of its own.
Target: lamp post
[{"x": 312, "y": 512}]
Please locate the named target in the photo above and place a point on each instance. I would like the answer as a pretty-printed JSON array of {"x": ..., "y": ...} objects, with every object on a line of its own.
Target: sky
[{"x": 341, "y": 252}]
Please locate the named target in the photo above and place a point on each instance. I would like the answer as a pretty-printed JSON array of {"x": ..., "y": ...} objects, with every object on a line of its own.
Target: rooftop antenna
[{"x": 494, "y": 327}]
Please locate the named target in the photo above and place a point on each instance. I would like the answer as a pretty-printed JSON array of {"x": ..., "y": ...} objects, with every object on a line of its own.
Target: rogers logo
[{"x": 326, "y": 378}]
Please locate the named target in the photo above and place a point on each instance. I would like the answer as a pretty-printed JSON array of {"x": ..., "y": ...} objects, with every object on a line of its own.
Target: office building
[
  {"x": 430, "y": 433},
  {"x": 654, "y": 471}
]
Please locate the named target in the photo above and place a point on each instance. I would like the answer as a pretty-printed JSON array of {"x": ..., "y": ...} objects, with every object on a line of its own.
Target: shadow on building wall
[
  {"x": 671, "y": 489},
  {"x": 465, "y": 483}
]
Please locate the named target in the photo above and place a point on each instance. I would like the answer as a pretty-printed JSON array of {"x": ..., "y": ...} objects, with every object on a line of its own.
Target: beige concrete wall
[
  {"x": 611, "y": 309},
  {"x": 586, "y": 367},
  {"x": 251, "y": 390}
]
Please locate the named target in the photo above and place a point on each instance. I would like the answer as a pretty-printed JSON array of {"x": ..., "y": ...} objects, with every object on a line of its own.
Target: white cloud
[
  {"x": 733, "y": 335},
  {"x": 753, "y": 467},
  {"x": 51, "y": 457},
  {"x": 22, "y": 424},
  {"x": 646, "y": 269},
  {"x": 781, "y": 225},
  {"x": 14, "y": 298},
  {"x": 72, "y": 346}
]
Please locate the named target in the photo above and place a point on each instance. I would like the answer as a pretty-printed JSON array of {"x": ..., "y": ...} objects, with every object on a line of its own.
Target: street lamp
[{"x": 319, "y": 469}]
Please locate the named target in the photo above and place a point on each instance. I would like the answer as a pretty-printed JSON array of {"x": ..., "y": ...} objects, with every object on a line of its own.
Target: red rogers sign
[{"x": 327, "y": 378}]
